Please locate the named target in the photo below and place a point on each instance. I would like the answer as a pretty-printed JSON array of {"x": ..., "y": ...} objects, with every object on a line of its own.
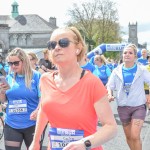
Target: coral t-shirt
[{"x": 74, "y": 108}]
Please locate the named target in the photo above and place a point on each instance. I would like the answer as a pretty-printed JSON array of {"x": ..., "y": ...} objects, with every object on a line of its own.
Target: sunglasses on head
[
  {"x": 15, "y": 63},
  {"x": 62, "y": 43}
]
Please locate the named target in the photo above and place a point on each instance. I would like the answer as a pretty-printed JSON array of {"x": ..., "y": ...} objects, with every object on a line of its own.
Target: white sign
[{"x": 115, "y": 47}]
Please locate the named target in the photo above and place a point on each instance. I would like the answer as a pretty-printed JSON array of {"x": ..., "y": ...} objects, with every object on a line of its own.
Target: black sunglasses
[
  {"x": 62, "y": 43},
  {"x": 15, "y": 63}
]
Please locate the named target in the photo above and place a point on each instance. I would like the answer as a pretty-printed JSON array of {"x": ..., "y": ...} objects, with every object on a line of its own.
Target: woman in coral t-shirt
[{"x": 72, "y": 99}]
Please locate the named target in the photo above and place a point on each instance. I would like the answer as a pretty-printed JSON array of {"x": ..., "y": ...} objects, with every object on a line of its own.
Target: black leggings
[
  {"x": 42, "y": 137},
  {"x": 12, "y": 135}
]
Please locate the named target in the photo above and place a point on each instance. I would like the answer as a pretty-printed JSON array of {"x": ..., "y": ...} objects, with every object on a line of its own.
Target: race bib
[
  {"x": 17, "y": 107},
  {"x": 59, "y": 137},
  {"x": 127, "y": 87}
]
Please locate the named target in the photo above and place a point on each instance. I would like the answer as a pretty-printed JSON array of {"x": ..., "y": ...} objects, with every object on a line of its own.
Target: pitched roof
[{"x": 30, "y": 23}]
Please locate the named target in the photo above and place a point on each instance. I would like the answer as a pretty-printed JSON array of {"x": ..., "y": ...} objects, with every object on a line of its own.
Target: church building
[{"x": 133, "y": 38}]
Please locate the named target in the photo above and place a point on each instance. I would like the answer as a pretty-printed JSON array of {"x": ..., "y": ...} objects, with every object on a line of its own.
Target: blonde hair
[
  {"x": 133, "y": 46},
  {"x": 26, "y": 67},
  {"x": 100, "y": 58},
  {"x": 45, "y": 51},
  {"x": 33, "y": 55},
  {"x": 77, "y": 39}
]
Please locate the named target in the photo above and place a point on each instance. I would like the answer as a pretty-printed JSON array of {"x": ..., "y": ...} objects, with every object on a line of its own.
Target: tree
[
  {"x": 98, "y": 21},
  {"x": 107, "y": 20},
  {"x": 83, "y": 17}
]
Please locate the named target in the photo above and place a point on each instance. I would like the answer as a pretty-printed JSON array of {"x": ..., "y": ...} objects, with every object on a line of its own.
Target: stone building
[
  {"x": 133, "y": 35},
  {"x": 25, "y": 31}
]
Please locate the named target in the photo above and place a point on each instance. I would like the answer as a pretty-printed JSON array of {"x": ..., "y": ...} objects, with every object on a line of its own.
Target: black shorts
[{"x": 19, "y": 135}]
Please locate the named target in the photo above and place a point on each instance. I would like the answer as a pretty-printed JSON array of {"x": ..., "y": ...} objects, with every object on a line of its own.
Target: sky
[{"x": 129, "y": 11}]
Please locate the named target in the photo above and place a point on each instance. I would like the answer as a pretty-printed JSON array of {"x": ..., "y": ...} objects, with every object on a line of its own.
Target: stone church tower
[{"x": 133, "y": 34}]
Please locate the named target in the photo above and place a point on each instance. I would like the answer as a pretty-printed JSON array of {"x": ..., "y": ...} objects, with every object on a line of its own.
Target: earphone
[{"x": 77, "y": 52}]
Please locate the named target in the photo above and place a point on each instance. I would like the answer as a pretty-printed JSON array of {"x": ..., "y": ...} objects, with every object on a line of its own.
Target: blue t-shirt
[
  {"x": 22, "y": 101},
  {"x": 128, "y": 76},
  {"x": 111, "y": 67},
  {"x": 143, "y": 61},
  {"x": 88, "y": 66},
  {"x": 103, "y": 73},
  {"x": 92, "y": 60},
  {"x": 6, "y": 68},
  {"x": 115, "y": 65}
]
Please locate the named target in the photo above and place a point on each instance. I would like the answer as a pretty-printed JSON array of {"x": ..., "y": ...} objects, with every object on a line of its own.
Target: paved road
[{"x": 118, "y": 143}]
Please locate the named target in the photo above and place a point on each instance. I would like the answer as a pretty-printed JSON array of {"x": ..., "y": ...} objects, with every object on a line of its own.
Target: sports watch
[{"x": 87, "y": 144}]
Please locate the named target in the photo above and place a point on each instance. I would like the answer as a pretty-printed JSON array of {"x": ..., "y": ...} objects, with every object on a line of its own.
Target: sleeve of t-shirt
[
  {"x": 92, "y": 60},
  {"x": 108, "y": 71},
  {"x": 99, "y": 90},
  {"x": 38, "y": 82}
]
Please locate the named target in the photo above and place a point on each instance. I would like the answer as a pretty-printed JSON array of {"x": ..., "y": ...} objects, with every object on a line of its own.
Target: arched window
[
  {"x": 20, "y": 41},
  {"x": 29, "y": 40}
]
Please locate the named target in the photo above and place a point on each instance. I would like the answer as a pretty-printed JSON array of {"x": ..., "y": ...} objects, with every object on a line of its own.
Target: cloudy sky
[{"x": 129, "y": 11}]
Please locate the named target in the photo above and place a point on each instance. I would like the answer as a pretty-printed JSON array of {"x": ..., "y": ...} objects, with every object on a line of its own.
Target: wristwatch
[{"x": 87, "y": 144}]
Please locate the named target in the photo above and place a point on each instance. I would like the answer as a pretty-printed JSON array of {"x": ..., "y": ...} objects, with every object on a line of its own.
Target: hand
[
  {"x": 148, "y": 99},
  {"x": 33, "y": 115},
  {"x": 43, "y": 68},
  {"x": 4, "y": 87},
  {"x": 77, "y": 145},
  {"x": 41, "y": 71},
  {"x": 34, "y": 146},
  {"x": 110, "y": 97}
]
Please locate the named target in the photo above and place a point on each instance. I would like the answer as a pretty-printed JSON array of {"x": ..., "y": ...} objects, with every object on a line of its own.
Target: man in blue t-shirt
[{"x": 143, "y": 59}]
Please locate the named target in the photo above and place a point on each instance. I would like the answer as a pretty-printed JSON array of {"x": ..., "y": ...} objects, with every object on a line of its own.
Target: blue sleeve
[
  {"x": 39, "y": 92},
  {"x": 92, "y": 60},
  {"x": 37, "y": 78},
  {"x": 108, "y": 71}
]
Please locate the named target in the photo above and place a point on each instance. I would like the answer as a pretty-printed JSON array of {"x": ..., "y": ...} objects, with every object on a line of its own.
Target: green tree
[{"x": 98, "y": 21}]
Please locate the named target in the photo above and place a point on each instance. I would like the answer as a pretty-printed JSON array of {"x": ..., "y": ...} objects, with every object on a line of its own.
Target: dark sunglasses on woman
[
  {"x": 62, "y": 43},
  {"x": 15, "y": 63}
]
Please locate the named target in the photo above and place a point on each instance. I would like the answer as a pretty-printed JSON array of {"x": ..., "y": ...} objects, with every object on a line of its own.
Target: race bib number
[
  {"x": 59, "y": 137},
  {"x": 17, "y": 107}
]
